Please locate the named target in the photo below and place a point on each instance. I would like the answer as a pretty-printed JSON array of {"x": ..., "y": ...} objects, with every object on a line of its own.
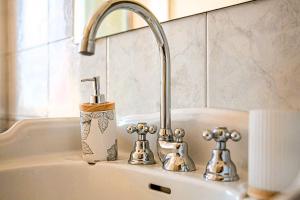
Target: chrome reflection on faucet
[
  {"x": 220, "y": 167},
  {"x": 168, "y": 145},
  {"x": 141, "y": 153}
]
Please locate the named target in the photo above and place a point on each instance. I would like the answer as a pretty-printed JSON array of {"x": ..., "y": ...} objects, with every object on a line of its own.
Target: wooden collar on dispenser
[{"x": 90, "y": 107}]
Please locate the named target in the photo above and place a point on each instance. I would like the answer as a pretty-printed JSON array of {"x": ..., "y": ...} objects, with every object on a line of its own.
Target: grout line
[
  {"x": 48, "y": 81},
  {"x": 174, "y": 19},
  {"x": 206, "y": 60},
  {"x": 17, "y": 51},
  {"x": 107, "y": 67},
  {"x": 48, "y": 60},
  {"x": 61, "y": 39},
  {"x": 7, "y": 79},
  {"x": 21, "y": 117}
]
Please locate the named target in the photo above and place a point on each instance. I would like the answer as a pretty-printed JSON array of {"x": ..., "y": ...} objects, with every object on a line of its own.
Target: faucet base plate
[
  {"x": 173, "y": 162},
  {"x": 220, "y": 167},
  {"x": 141, "y": 162},
  {"x": 217, "y": 177},
  {"x": 141, "y": 154}
]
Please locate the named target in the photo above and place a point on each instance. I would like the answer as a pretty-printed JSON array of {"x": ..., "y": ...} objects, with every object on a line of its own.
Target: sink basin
[
  {"x": 40, "y": 160},
  {"x": 75, "y": 179}
]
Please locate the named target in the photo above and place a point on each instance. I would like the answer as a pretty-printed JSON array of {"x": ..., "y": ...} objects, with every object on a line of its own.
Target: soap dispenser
[{"x": 98, "y": 127}]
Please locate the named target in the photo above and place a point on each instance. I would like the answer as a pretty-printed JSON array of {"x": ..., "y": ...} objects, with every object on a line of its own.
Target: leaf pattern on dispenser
[
  {"x": 96, "y": 115},
  {"x": 86, "y": 148},
  {"x": 85, "y": 123},
  {"x": 103, "y": 122},
  {"x": 112, "y": 152},
  {"x": 103, "y": 119},
  {"x": 110, "y": 114}
]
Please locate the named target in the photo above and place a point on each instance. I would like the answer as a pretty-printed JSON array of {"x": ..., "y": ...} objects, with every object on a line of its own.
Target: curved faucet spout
[
  {"x": 173, "y": 154},
  {"x": 88, "y": 48}
]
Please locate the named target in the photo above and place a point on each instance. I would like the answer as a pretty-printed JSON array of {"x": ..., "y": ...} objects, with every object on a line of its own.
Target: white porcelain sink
[
  {"x": 40, "y": 160},
  {"x": 72, "y": 180}
]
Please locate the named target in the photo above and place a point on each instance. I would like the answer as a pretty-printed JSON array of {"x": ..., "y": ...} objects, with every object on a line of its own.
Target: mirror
[{"x": 122, "y": 20}]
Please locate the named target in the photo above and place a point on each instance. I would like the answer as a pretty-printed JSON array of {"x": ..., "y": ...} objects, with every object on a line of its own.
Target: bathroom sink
[
  {"x": 41, "y": 159},
  {"x": 74, "y": 179}
]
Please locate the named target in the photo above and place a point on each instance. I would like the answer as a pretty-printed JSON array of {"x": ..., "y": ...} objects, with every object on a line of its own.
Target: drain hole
[{"x": 160, "y": 188}]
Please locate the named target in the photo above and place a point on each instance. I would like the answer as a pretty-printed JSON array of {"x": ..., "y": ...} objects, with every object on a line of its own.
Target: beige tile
[
  {"x": 28, "y": 83},
  {"x": 91, "y": 66},
  {"x": 64, "y": 79},
  {"x": 134, "y": 69},
  {"x": 187, "y": 41},
  {"x": 27, "y": 23},
  {"x": 134, "y": 72},
  {"x": 60, "y": 19},
  {"x": 253, "y": 56}
]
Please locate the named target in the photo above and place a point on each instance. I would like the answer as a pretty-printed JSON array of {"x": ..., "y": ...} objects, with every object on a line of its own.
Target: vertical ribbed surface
[{"x": 274, "y": 149}]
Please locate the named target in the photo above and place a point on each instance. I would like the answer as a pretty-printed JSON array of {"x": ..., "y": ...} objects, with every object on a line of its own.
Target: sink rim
[
  {"x": 235, "y": 189},
  {"x": 66, "y": 154}
]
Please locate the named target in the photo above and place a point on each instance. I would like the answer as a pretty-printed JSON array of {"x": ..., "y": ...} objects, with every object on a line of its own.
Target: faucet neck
[{"x": 88, "y": 48}]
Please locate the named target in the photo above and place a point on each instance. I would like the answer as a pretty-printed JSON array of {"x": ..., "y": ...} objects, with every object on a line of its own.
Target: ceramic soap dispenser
[{"x": 98, "y": 127}]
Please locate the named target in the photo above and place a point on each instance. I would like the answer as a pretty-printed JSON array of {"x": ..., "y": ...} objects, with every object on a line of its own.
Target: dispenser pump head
[{"x": 96, "y": 97}]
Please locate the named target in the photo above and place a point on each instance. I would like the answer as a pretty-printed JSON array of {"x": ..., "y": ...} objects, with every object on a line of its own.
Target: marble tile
[
  {"x": 60, "y": 19},
  {"x": 134, "y": 72},
  {"x": 188, "y": 59},
  {"x": 27, "y": 24},
  {"x": 28, "y": 83},
  {"x": 253, "y": 56},
  {"x": 91, "y": 66},
  {"x": 64, "y": 79},
  {"x": 134, "y": 68}
]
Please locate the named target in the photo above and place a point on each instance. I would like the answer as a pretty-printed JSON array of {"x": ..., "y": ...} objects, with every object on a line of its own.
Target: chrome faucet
[
  {"x": 172, "y": 151},
  {"x": 220, "y": 167}
]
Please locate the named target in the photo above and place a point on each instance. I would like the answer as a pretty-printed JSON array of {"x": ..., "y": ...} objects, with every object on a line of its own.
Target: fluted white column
[{"x": 274, "y": 149}]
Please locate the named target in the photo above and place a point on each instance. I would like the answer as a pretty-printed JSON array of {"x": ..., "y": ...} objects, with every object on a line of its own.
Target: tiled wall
[
  {"x": 43, "y": 74},
  {"x": 254, "y": 55},
  {"x": 242, "y": 57},
  {"x": 134, "y": 69}
]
